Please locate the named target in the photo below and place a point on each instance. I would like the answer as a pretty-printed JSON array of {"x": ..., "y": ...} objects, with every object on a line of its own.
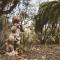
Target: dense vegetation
[
  {"x": 48, "y": 14},
  {"x": 11, "y": 4},
  {"x": 45, "y": 29}
]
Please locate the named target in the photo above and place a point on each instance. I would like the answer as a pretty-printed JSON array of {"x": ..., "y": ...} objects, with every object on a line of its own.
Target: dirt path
[
  {"x": 47, "y": 53},
  {"x": 51, "y": 52}
]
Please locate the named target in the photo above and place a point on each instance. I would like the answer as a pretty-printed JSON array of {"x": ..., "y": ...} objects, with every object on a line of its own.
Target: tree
[
  {"x": 8, "y": 4},
  {"x": 48, "y": 11}
]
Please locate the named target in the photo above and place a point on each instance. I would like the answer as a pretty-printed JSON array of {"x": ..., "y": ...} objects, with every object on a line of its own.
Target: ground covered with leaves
[{"x": 39, "y": 52}]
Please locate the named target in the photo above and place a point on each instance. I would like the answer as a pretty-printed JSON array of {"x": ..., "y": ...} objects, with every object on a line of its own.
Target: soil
[{"x": 39, "y": 52}]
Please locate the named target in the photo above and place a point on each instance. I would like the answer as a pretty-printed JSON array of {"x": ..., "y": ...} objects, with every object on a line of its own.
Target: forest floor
[{"x": 40, "y": 52}]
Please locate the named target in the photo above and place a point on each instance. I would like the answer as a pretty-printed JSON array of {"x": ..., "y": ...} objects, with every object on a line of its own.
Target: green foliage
[
  {"x": 48, "y": 12},
  {"x": 29, "y": 38},
  {"x": 7, "y": 3}
]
